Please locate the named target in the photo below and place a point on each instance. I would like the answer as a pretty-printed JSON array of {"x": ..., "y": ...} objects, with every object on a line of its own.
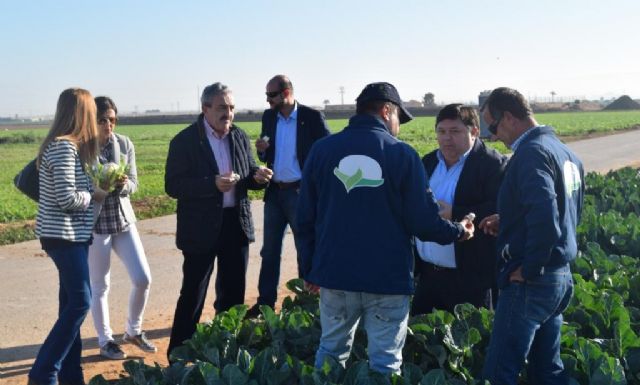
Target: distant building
[
  {"x": 412, "y": 104},
  {"x": 352, "y": 107},
  {"x": 340, "y": 107}
]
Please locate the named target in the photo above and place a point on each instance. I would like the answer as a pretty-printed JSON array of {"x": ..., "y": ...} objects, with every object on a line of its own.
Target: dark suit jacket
[
  {"x": 311, "y": 126},
  {"x": 190, "y": 178},
  {"x": 477, "y": 192}
]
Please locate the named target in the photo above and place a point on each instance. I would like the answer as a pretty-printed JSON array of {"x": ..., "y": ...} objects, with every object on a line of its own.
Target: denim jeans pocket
[
  {"x": 542, "y": 299},
  {"x": 334, "y": 302},
  {"x": 391, "y": 308}
]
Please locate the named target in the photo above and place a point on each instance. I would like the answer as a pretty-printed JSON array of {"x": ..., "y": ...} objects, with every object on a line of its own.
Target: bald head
[
  {"x": 281, "y": 82},
  {"x": 280, "y": 94}
]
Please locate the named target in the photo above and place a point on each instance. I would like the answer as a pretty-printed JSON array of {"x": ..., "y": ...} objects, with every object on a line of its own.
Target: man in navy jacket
[
  {"x": 209, "y": 168},
  {"x": 465, "y": 176},
  {"x": 539, "y": 207},
  {"x": 289, "y": 129},
  {"x": 363, "y": 196}
]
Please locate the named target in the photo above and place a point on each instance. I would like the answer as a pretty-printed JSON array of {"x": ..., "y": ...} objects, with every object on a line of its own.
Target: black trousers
[
  {"x": 443, "y": 288},
  {"x": 233, "y": 255}
]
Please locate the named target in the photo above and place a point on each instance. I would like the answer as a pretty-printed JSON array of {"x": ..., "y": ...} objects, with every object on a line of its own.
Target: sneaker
[
  {"x": 140, "y": 341},
  {"x": 112, "y": 351}
]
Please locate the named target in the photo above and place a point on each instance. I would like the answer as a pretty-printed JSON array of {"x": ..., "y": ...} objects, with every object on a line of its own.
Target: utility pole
[{"x": 342, "y": 94}]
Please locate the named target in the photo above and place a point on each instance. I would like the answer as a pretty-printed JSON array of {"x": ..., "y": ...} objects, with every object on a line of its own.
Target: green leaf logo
[{"x": 358, "y": 171}]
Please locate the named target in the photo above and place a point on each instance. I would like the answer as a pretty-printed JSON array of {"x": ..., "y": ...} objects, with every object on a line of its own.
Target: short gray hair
[{"x": 212, "y": 91}]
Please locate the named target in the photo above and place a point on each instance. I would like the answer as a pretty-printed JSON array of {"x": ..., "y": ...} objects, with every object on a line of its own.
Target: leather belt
[
  {"x": 433, "y": 267},
  {"x": 286, "y": 185}
]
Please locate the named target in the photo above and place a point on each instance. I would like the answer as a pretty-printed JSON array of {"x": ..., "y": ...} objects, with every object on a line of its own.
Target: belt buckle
[
  {"x": 287, "y": 185},
  {"x": 437, "y": 267}
]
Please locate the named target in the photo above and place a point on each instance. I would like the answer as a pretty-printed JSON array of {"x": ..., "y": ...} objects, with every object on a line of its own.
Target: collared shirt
[
  {"x": 443, "y": 183},
  {"x": 285, "y": 166},
  {"x": 517, "y": 142},
  {"x": 111, "y": 219},
  {"x": 222, "y": 154}
]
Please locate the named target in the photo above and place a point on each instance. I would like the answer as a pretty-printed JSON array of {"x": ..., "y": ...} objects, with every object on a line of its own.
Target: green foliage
[
  {"x": 610, "y": 216},
  {"x": 600, "y": 341},
  {"x": 441, "y": 348},
  {"x": 152, "y": 142}
]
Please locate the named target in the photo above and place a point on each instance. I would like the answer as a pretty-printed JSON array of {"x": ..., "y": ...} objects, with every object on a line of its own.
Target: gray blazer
[{"x": 123, "y": 149}]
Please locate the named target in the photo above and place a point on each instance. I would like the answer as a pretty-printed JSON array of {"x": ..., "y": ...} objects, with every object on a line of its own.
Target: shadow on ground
[{"x": 13, "y": 358}]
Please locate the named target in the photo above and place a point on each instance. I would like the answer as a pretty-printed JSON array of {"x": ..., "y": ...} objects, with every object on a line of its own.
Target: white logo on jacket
[
  {"x": 571, "y": 174},
  {"x": 358, "y": 171}
]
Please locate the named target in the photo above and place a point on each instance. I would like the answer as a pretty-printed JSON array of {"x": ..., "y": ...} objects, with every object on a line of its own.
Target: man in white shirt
[{"x": 464, "y": 176}]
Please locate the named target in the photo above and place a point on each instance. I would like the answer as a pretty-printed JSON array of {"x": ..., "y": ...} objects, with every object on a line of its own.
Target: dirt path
[
  {"x": 28, "y": 281},
  {"x": 28, "y": 296}
]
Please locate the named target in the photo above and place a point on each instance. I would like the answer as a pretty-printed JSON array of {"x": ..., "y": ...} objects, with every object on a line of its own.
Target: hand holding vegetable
[
  {"x": 226, "y": 181},
  {"x": 262, "y": 144},
  {"x": 108, "y": 176},
  {"x": 262, "y": 175},
  {"x": 98, "y": 194},
  {"x": 469, "y": 228}
]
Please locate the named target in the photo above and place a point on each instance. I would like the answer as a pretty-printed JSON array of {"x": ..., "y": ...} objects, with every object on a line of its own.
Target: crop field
[
  {"x": 600, "y": 343},
  {"x": 151, "y": 141}
]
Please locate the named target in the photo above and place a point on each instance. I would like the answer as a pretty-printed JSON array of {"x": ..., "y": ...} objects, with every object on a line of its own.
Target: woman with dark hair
[
  {"x": 115, "y": 229},
  {"x": 64, "y": 224}
]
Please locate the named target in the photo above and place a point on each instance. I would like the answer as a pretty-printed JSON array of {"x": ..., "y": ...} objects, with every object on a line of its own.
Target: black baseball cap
[{"x": 387, "y": 92}]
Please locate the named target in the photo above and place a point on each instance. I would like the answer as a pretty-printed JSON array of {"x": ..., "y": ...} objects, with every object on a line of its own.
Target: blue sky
[{"x": 160, "y": 54}]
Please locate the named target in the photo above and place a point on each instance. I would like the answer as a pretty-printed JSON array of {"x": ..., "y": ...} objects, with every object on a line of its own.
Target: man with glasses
[
  {"x": 464, "y": 175},
  {"x": 539, "y": 207},
  {"x": 289, "y": 129}
]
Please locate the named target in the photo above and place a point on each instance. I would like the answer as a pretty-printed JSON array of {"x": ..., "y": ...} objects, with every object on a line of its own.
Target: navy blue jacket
[
  {"x": 310, "y": 127},
  {"x": 190, "y": 178},
  {"x": 476, "y": 192},
  {"x": 364, "y": 194},
  {"x": 540, "y": 202}
]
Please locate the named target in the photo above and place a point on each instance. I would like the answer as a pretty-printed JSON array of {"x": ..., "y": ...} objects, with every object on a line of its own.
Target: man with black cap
[{"x": 364, "y": 194}]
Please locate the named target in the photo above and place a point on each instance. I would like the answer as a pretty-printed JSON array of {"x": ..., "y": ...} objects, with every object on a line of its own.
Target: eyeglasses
[
  {"x": 493, "y": 127},
  {"x": 106, "y": 120},
  {"x": 272, "y": 94}
]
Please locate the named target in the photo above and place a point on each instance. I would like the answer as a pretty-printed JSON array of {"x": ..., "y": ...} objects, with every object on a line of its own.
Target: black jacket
[
  {"x": 190, "y": 178},
  {"x": 311, "y": 126},
  {"x": 477, "y": 192}
]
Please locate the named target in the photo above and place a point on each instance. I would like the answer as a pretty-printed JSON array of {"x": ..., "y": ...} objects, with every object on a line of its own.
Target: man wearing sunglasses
[
  {"x": 289, "y": 129},
  {"x": 539, "y": 207}
]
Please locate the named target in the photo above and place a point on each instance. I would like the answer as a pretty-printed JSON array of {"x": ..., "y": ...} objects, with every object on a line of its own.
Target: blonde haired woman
[{"x": 64, "y": 225}]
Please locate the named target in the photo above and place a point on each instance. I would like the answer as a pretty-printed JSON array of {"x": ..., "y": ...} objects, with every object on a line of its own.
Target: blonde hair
[{"x": 75, "y": 120}]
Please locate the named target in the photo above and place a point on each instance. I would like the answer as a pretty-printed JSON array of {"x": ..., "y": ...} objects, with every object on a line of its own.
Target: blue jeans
[
  {"x": 526, "y": 326},
  {"x": 279, "y": 211},
  {"x": 384, "y": 317},
  {"x": 60, "y": 354}
]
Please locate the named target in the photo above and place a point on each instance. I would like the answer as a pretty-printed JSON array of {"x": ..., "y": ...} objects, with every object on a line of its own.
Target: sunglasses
[
  {"x": 493, "y": 127},
  {"x": 106, "y": 120},
  {"x": 273, "y": 94}
]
